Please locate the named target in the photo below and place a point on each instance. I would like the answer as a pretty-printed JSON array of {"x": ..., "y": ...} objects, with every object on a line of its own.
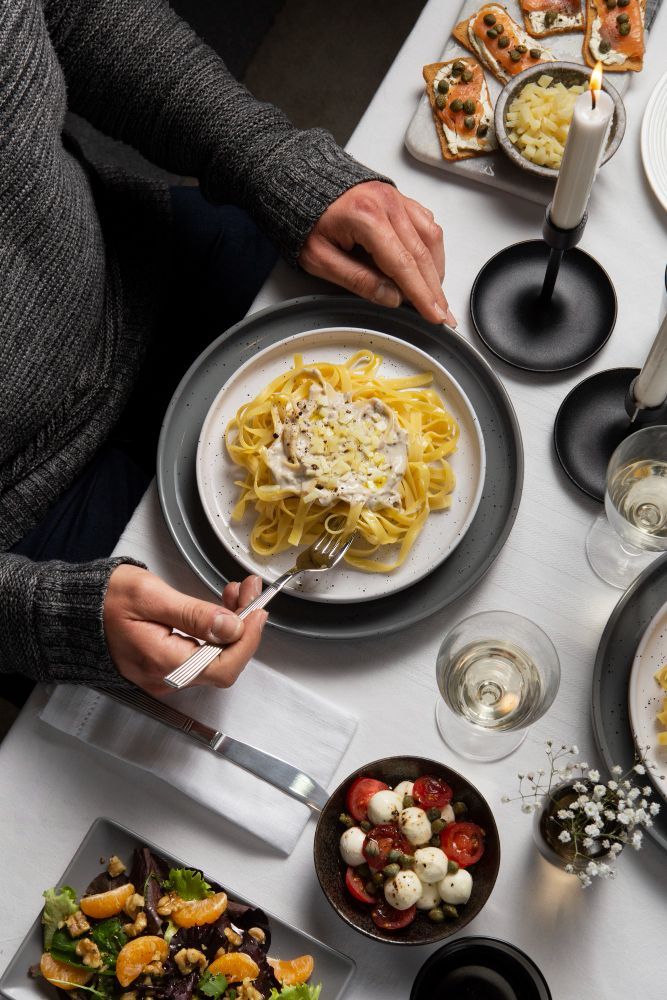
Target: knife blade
[{"x": 274, "y": 770}]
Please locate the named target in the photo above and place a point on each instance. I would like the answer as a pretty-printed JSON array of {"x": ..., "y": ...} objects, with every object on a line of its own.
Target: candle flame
[{"x": 595, "y": 81}]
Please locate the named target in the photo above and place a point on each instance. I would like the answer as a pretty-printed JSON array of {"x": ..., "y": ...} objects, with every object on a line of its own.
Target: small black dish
[{"x": 479, "y": 968}]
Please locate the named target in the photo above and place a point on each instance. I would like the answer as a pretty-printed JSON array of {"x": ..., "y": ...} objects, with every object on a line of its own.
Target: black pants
[{"x": 219, "y": 262}]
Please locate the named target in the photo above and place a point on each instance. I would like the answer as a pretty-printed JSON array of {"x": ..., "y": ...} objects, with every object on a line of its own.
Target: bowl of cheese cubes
[{"x": 534, "y": 111}]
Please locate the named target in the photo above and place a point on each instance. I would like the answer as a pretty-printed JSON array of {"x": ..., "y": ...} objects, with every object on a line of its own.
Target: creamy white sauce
[
  {"x": 487, "y": 57},
  {"x": 461, "y": 143},
  {"x": 329, "y": 448},
  {"x": 611, "y": 58},
  {"x": 537, "y": 20}
]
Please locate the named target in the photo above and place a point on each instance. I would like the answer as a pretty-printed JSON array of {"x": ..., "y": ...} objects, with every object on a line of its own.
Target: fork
[{"x": 324, "y": 553}]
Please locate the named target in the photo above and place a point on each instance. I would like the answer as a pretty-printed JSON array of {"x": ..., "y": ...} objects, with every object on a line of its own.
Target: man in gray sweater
[{"x": 83, "y": 276}]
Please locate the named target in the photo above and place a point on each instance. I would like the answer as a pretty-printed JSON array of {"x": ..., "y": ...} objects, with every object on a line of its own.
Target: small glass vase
[{"x": 547, "y": 827}]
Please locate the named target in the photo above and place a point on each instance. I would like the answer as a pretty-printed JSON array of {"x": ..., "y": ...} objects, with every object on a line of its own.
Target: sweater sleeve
[
  {"x": 136, "y": 71},
  {"x": 51, "y": 626}
]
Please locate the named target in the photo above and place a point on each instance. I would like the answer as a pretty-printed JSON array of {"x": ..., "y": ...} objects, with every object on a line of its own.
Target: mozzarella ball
[
  {"x": 351, "y": 843},
  {"x": 456, "y": 888},
  {"x": 430, "y": 864},
  {"x": 403, "y": 890},
  {"x": 384, "y": 807},
  {"x": 447, "y": 814},
  {"x": 415, "y": 825},
  {"x": 430, "y": 897},
  {"x": 405, "y": 788}
]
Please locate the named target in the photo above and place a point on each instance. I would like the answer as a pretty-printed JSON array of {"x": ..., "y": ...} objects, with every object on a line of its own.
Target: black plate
[
  {"x": 611, "y": 676},
  {"x": 480, "y": 968},
  {"x": 464, "y": 568}
]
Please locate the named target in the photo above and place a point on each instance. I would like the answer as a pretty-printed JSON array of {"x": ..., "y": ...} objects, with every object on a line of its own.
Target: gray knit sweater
[{"x": 80, "y": 263}]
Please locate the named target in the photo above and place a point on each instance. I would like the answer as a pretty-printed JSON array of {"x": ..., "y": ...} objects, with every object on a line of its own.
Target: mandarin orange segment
[
  {"x": 193, "y": 912},
  {"x": 134, "y": 956},
  {"x": 107, "y": 904},
  {"x": 292, "y": 972},
  {"x": 67, "y": 977},
  {"x": 235, "y": 967}
]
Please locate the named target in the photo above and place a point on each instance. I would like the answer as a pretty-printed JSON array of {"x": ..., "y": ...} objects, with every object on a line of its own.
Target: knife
[{"x": 274, "y": 770}]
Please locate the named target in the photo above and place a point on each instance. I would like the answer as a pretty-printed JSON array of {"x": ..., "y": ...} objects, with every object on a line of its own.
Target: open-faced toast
[
  {"x": 552, "y": 17},
  {"x": 615, "y": 35},
  {"x": 453, "y": 88},
  {"x": 499, "y": 42}
]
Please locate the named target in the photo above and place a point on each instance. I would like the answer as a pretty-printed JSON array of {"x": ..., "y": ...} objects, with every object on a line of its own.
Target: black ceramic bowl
[
  {"x": 331, "y": 868},
  {"x": 569, "y": 74},
  {"x": 480, "y": 967}
]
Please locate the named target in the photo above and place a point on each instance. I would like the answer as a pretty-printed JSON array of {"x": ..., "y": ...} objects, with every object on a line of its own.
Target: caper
[
  {"x": 450, "y": 911},
  {"x": 452, "y": 867},
  {"x": 407, "y": 861},
  {"x": 436, "y": 915},
  {"x": 489, "y": 19},
  {"x": 459, "y": 808},
  {"x": 395, "y": 855},
  {"x": 535, "y": 53},
  {"x": 372, "y": 848},
  {"x": 469, "y": 108},
  {"x": 522, "y": 49},
  {"x": 378, "y": 878},
  {"x": 363, "y": 870},
  {"x": 391, "y": 870},
  {"x": 365, "y": 825},
  {"x": 434, "y": 813},
  {"x": 443, "y": 86},
  {"x": 346, "y": 820},
  {"x": 492, "y": 33},
  {"x": 440, "y": 101},
  {"x": 611, "y": 4},
  {"x": 604, "y": 47},
  {"x": 456, "y": 105},
  {"x": 622, "y": 18},
  {"x": 624, "y": 28},
  {"x": 550, "y": 17},
  {"x": 515, "y": 56},
  {"x": 435, "y": 841},
  {"x": 503, "y": 42},
  {"x": 481, "y": 132},
  {"x": 408, "y": 801},
  {"x": 371, "y": 888},
  {"x": 457, "y": 68},
  {"x": 466, "y": 76},
  {"x": 438, "y": 824},
  {"x": 500, "y": 28},
  {"x": 623, "y": 3}
]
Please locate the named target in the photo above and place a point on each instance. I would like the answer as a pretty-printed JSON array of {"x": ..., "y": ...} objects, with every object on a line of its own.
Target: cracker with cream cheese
[
  {"x": 552, "y": 17},
  {"x": 463, "y": 131},
  {"x": 605, "y": 40},
  {"x": 500, "y": 44}
]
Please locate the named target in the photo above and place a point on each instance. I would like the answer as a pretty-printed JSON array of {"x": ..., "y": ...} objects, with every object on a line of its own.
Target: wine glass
[
  {"x": 633, "y": 530},
  {"x": 497, "y": 673}
]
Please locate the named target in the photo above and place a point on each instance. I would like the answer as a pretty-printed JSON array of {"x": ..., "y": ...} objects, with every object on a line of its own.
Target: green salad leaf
[
  {"x": 212, "y": 985},
  {"x": 109, "y": 937},
  {"x": 187, "y": 884},
  {"x": 63, "y": 948},
  {"x": 302, "y": 992},
  {"x": 60, "y": 904}
]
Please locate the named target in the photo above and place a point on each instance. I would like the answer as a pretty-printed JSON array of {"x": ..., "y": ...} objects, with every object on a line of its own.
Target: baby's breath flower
[
  {"x": 612, "y": 785},
  {"x": 594, "y": 775},
  {"x": 574, "y": 748},
  {"x": 580, "y": 787},
  {"x": 599, "y": 792},
  {"x": 639, "y": 769},
  {"x": 592, "y": 830},
  {"x": 505, "y": 798},
  {"x": 636, "y": 839},
  {"x": 526, "y": 807},
  {"x": 654, "y": 809},
  {"x": 647, "y": 790},
  {"x": 616, "y": 849},
  {"x": 564, "y": 836},
  {"x": 617, "y": 769},
  {"x": 588, "y": 841}
]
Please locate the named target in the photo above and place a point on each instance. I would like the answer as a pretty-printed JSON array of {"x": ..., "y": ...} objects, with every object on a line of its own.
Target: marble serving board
[{"x": 495, "y": 168}]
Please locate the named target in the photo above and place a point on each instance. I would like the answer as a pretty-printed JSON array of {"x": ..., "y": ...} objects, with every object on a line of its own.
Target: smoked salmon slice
[
  {"x": 500, "y": 43},
  {"x": 461, "y": 107}
]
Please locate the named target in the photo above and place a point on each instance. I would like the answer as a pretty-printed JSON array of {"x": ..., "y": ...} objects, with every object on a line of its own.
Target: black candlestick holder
[
  {"x": 544, "y": 305},
  {"x": 592, "y": 421}
]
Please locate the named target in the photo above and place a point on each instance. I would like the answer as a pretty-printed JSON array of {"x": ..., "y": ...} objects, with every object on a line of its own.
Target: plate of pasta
[
  {"x": 341, "y": 421},
  {"x": 647, "y": 698}
]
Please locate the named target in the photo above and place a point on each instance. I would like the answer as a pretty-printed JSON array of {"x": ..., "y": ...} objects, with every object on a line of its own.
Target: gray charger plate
[
  {"x": 189, "y": 527},
  {"x": 611, "y": 676},
  {"x": 104, "y": 838}
]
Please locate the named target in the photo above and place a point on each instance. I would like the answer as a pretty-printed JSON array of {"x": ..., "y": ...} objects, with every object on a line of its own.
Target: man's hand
[
  {"x": 403, "y": 241},
  {"x": 140, "y": 611}
]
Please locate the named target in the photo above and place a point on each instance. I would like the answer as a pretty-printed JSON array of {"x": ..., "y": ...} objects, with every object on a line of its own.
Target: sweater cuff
[{"x": 57, "y": 627}]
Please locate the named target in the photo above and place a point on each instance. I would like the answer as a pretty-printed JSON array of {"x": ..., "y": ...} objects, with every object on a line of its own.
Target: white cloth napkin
[{"x": 263, "y": 708}]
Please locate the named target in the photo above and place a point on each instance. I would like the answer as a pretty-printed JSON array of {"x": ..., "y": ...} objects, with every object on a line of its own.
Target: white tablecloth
[{"x": 605, "y": 942}]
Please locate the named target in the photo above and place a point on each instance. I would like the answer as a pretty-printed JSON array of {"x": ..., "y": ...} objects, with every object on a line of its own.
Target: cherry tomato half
[
  {"x": 388, "y": 837},
  {"x": 387, "y": 918},
  {"x": 431, "y": 793},
  {"x": 463, "y": 843},
  {"x": 355, "y": 885},
  {"x": 360, "y": 792}
]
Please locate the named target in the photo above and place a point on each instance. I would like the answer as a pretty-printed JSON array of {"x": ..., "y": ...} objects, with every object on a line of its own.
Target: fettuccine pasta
[{"x": 325, "y": 440}]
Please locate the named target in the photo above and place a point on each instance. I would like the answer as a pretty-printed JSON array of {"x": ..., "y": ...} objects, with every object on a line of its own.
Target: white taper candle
[
  {"x": 650, "y": 388},
  {"x": 586, "y": 141}
]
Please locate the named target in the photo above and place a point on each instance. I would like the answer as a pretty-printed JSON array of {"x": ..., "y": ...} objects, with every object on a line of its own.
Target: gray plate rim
[
  {"x": 95, "y": 829},
  {"x": 611, "y": 674},
  {"x": 385, "y": 615}
]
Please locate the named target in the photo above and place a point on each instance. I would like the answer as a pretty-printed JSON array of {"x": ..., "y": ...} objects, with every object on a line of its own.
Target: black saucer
[
  {"x": 591, "y": 423},
  {"x": 572, "y": 327},
  {"x": 479, "y": 968}
]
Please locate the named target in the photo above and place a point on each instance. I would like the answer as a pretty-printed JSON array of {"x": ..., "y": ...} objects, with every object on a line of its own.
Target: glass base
[
  {"x": 612, "y": 562},
  {"x": 475, "y": 742}
]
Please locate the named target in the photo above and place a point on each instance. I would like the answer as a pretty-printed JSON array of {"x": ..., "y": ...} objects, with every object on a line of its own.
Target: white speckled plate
[
  {"x": 645, "y": 696},
  {"x": 216, "y": 472},
  {"x": 654, "y": 141}
]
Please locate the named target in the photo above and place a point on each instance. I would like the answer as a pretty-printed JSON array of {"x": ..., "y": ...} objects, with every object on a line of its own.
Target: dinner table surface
[{"x": 601, "y": 942}]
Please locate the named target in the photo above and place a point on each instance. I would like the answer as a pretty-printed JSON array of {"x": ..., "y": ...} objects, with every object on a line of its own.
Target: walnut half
[
  {"x": 89, "y": 953},
  {"x": 189, "y": 958},
  {"x": 77, "y": 924},
  {"x": 139, "y": 925},
  {"x": 115, "y": 866}
]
